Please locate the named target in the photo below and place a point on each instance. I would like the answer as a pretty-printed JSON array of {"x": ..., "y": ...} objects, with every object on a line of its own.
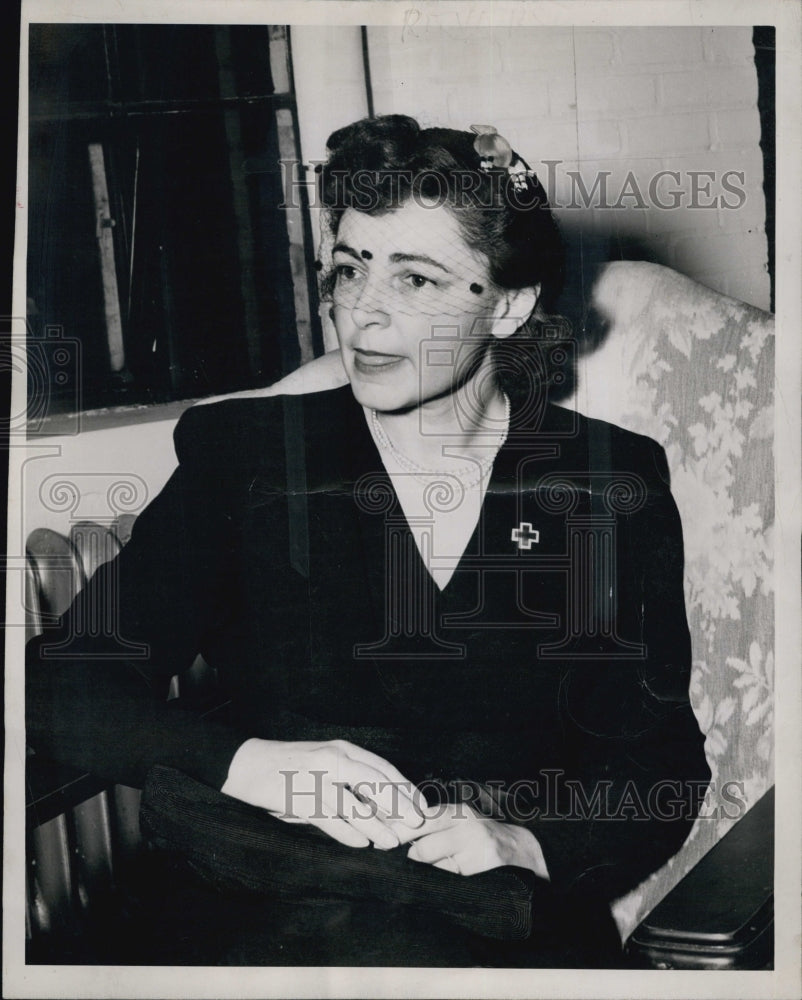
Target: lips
[{"x": 374, "y": 361}]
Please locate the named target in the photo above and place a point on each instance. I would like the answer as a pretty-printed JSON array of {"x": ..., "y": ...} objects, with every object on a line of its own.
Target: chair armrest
[
  {"x": 721, "y": 915},
  {"x": 53, "y": 788}
]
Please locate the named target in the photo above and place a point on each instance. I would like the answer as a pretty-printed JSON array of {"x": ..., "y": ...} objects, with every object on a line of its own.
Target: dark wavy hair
[{"x": 377, "y": 164}]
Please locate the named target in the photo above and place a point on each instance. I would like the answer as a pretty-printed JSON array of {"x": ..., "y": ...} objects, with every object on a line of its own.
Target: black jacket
[{"x": 557, "y": 676}]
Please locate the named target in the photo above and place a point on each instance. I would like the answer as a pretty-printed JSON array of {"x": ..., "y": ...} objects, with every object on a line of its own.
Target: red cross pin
[{"x": 524, "y": 535}]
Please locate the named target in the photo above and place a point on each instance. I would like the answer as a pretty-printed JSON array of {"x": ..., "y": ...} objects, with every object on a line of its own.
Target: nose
[{"x": 370, "y": 308}]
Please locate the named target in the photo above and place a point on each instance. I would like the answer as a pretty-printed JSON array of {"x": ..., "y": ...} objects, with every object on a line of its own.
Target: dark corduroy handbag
[{"x": 241, "y": 847}]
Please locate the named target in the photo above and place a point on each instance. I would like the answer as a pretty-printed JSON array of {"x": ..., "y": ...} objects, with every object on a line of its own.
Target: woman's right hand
[{"x": 351, "y": 794}]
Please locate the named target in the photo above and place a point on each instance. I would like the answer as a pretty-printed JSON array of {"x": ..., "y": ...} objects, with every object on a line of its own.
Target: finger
[
  {"x": 398, "y": 833},
  {"x": 339, "y": 830},
  {"x": 362, "y": 817},
  {"x": 427, "y": 811},
  {"x": 394, "y": 794},
  {"x": 380, "y": 835},
  {"x": 448, "y": 865},
  {"x": 436, "y": 846},
  {"x": 471, "y": 860},
  {"x": 367, "y": 782},
  {"x": 404, "y": 834},
  {"x": 474, "y": 862},
  {"x": 374, "y": 760},
  {"x": 285, "y": 817},
  {"x": 439, "y": 818}
]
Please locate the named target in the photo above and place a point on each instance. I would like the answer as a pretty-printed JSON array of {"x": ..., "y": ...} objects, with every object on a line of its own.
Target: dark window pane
[
  {"x": 67, "y": 66},
  {"x": 195, "y": 243}
]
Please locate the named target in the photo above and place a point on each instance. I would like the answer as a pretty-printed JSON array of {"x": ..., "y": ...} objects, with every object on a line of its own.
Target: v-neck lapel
[
  {"x": 375, "y": 504},
  {"x": 379, "y": 511},
  {"x": 351, "y": 466},
  {"x": 345, "y": 458},
  {"x": 535, "y": 447},
  {"x": 403, "y": 593}
]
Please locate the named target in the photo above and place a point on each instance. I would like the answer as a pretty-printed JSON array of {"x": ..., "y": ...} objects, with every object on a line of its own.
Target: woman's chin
[{"x": 384, "y": 398}]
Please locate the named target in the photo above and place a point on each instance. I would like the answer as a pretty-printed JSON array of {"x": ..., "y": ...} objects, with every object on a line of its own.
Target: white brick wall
[
  {"x": 631, "y": 101},
  {"x": 639, "y": 47}
]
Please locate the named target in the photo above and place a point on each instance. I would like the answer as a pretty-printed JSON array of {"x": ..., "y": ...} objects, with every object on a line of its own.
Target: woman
[{"x": 449, "y": 614}]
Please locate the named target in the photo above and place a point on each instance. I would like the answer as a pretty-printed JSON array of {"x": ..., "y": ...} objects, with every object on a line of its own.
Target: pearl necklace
[{"x": 423, "y": 474}]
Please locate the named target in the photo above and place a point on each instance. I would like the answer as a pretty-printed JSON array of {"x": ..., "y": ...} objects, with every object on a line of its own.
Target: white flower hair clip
[{"x": 496, "y": 153}]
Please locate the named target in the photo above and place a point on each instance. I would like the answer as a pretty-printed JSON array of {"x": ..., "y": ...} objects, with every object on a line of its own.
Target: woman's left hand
[{"x": 460, "y": 840}]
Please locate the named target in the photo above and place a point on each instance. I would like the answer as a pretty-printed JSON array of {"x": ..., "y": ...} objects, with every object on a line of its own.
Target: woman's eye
[
  {"x": 418, "y": 280},
  {"x": 346, "y": 271}
]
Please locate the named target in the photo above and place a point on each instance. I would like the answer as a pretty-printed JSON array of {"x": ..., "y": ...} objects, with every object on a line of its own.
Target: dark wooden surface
[{"x": 720, "y": 916}]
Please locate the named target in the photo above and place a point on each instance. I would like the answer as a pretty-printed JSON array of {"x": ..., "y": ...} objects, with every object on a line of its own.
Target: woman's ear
[{"x": 513, "y": 309}]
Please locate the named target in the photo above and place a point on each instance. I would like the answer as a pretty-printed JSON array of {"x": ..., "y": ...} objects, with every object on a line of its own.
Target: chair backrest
[{"x": 693, "y": 369}]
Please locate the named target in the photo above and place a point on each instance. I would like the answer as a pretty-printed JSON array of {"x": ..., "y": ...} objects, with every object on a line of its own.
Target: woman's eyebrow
[
  {"x": 417, "y": 258},
  {"x": 395, "y": 258},
  {"x": 344, "y": 248}
]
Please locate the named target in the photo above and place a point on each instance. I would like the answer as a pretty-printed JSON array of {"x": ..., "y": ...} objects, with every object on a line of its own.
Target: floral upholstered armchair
[
  {"x": 695, "y": 371},
  {"x": 664, "y": 356}
]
